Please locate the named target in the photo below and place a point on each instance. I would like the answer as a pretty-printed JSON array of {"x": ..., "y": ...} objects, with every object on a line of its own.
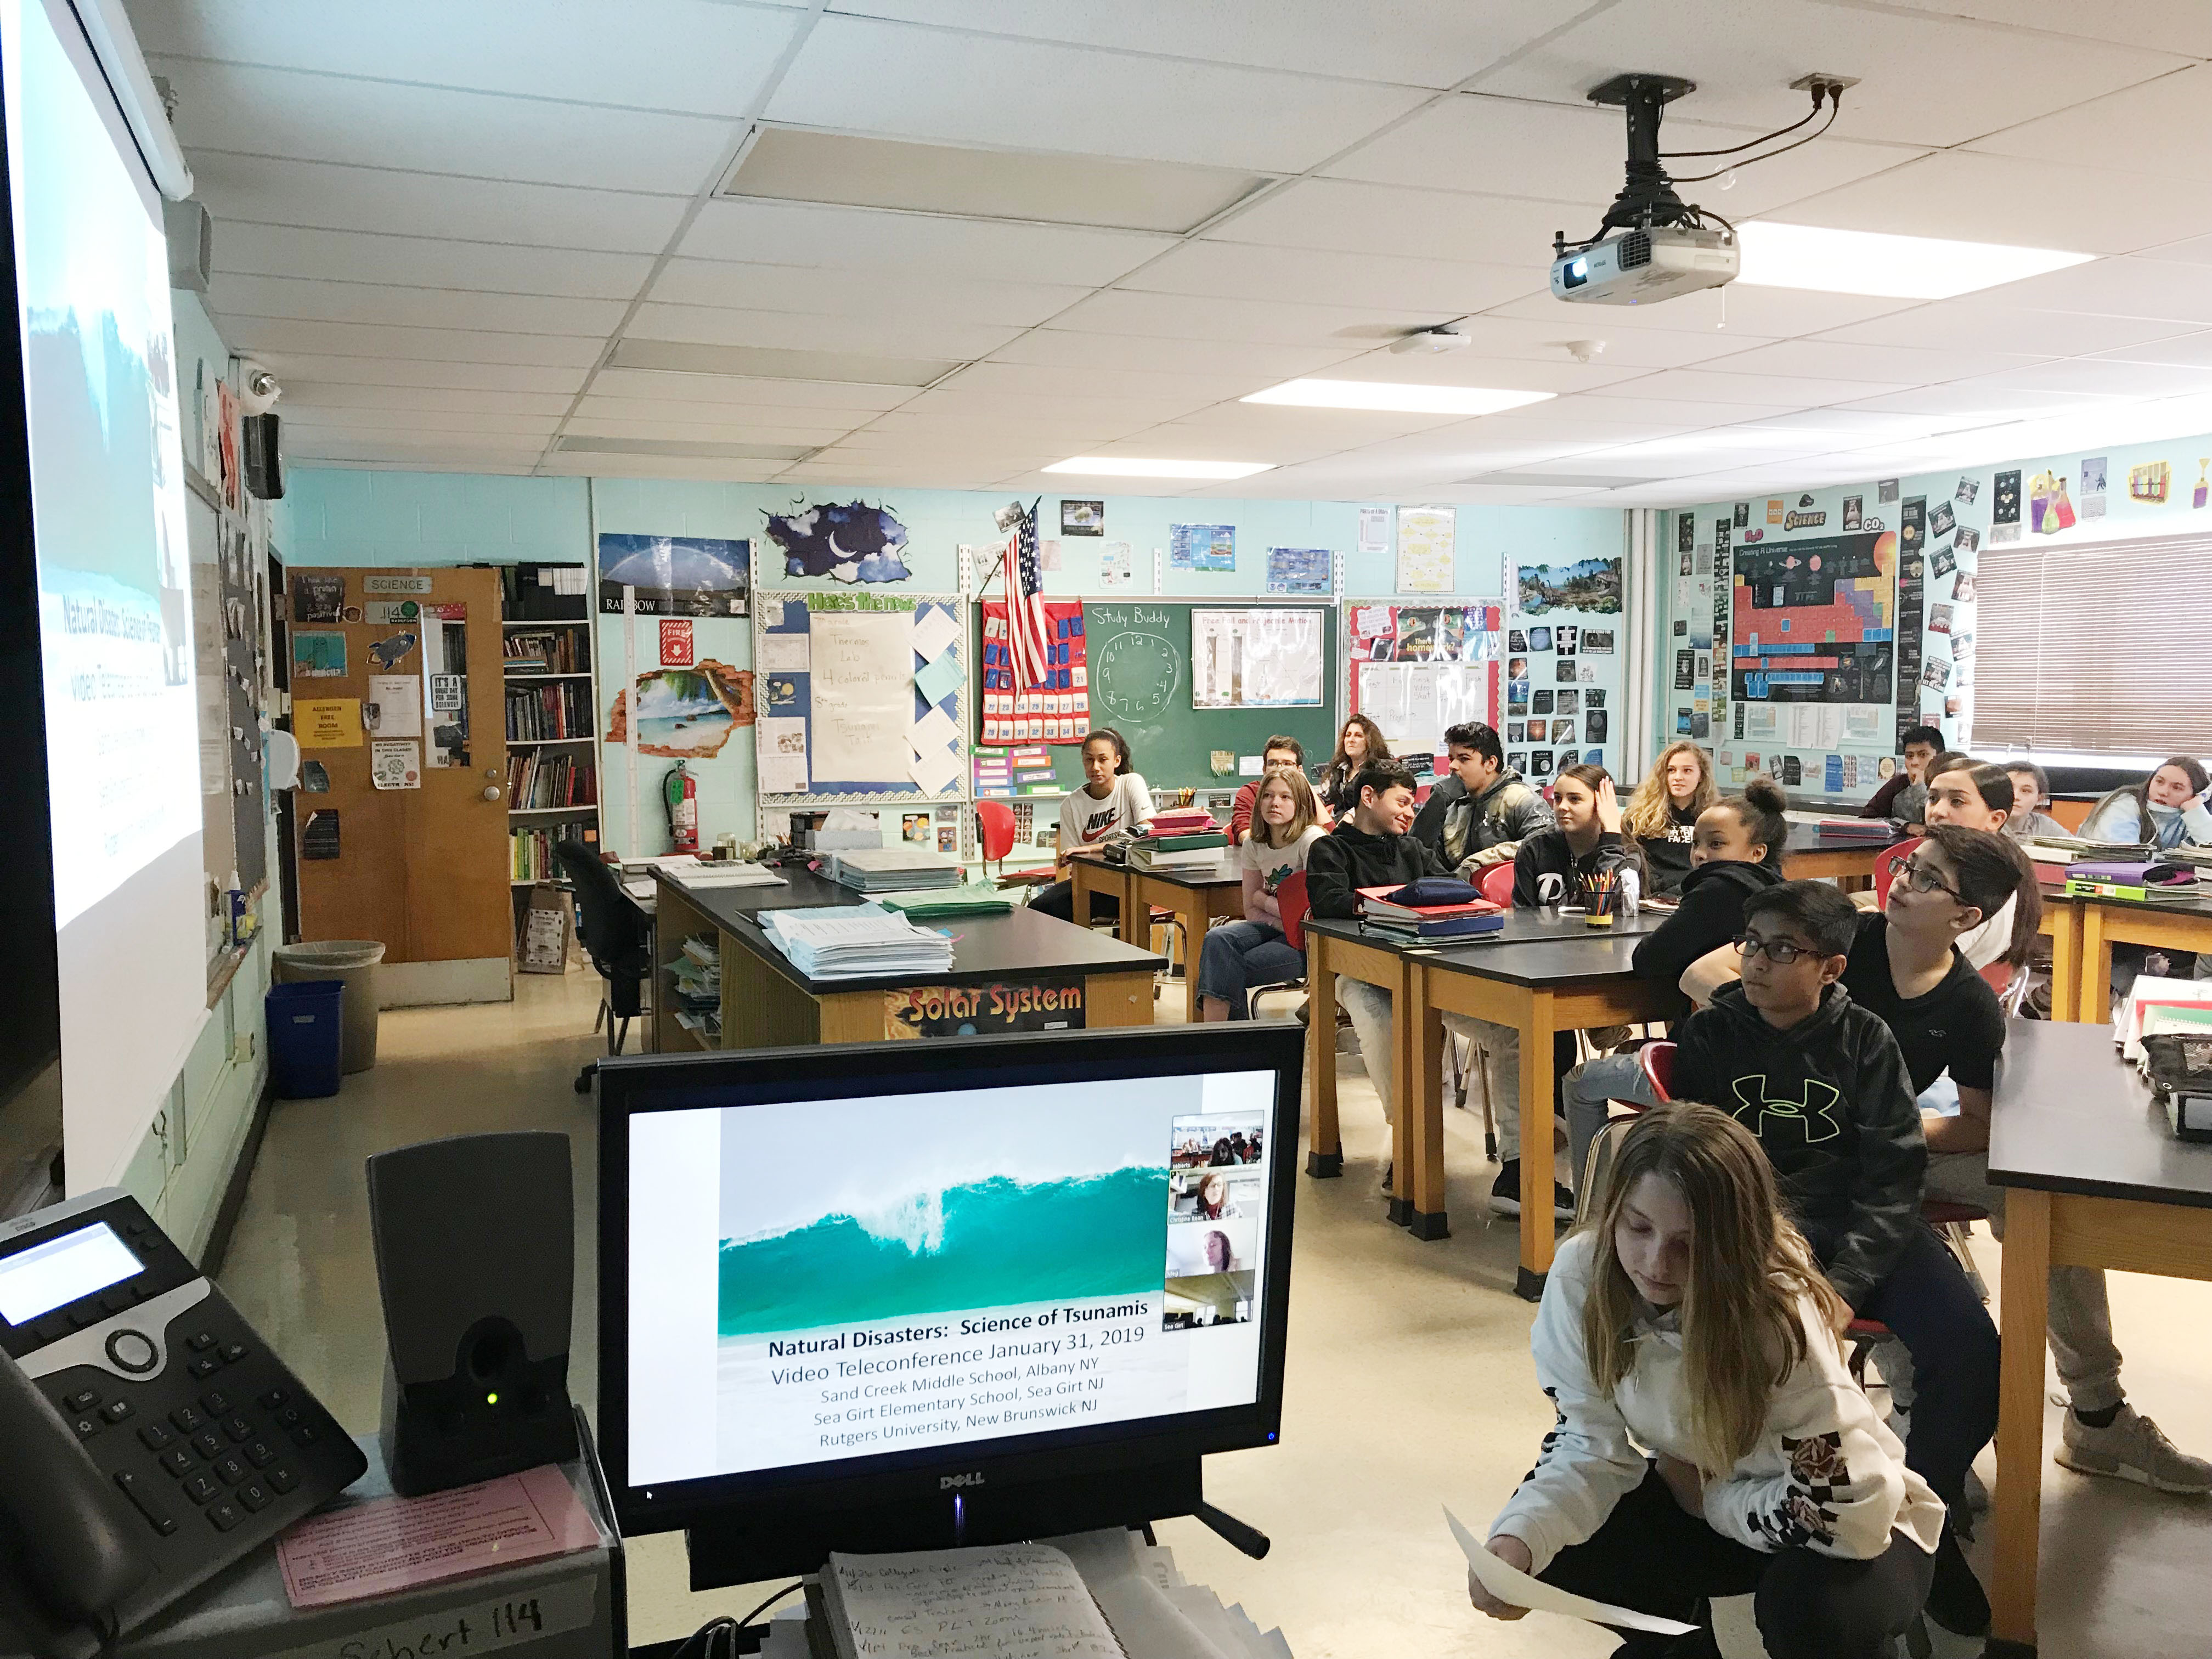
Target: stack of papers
[
  {"x": 852, "y": 941},
  {"x": 2150, "y": 994},
  {"x": 726, "y": 872},
  {"x": 973, "y": 899},
  {"x": 892, "y": 870}
]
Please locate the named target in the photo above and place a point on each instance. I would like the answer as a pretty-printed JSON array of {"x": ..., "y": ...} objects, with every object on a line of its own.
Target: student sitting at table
[
  {"x": 1277, "y": 751},
  {"x": 1240, "y": 954},
  {"x": 1823, "y": 1084},
  {"x": 1737, "y": 854},
  {"x": 1556, "y": 865},
  {"x": 1906, "y": 966},
  {"x": 1113, "y": 800},
  {"x": 1900, "y": 799},
  {"x": 1977, "y": 795},
  {"x": 1479, "y": 815},
  {"x": 1359, "y": 744},
  {"x": 1710, "y": 1439},
  {"x": 1663, "y": 812},
  {"x": 1371, "y": 847},
  {"x": 2165, "y": 811},
  {"x": 2031, "y": 788}
]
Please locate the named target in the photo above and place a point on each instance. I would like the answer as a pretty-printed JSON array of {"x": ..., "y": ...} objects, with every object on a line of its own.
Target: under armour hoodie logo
[{"x": 1813, "y": 1114}]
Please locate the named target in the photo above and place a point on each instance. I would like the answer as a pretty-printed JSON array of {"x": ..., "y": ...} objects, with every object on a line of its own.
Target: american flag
[{"x": 1028, "y": 632}]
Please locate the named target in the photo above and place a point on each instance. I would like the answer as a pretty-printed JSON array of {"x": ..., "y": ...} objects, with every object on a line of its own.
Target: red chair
[
  {"x": 1497, "y": 884},
  {"x": 1291, "y": 899},
  {"x": 994, "y": 832},
  {"x": 1884, "y": 868},
  {"x": 1658, "y": 1062}
]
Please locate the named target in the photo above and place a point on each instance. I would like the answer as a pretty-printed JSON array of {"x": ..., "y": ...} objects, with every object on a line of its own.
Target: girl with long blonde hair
[
  {"x": 1239, "y": 955},
  {"x": 1662, "y": 814},
  {"x": 1689, "y": 1319}
]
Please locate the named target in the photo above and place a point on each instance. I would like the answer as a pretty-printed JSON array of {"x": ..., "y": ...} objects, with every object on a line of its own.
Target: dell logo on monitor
[{"x": 947, "y": 1482}]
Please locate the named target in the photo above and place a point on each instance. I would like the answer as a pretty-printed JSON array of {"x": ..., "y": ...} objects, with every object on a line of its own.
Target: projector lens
[{"x": 1577, "y": 273}]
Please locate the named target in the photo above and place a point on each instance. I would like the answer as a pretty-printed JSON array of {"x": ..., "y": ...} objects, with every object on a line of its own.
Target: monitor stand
[{"x": 787, "y": 1541}]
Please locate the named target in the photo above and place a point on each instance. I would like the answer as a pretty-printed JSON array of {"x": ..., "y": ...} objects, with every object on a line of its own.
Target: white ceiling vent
[{"x": 798, "y": 164}]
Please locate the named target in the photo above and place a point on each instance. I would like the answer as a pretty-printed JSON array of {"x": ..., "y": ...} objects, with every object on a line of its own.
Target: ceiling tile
[
  {"x": 690, "y": 468},
  {"x": 798, "y": 331},
  {"x": 317, "y": 437},
  {"x": 584, "y": 424},
  {"x": 1373, "y": 282},
  {"x": 1124, "y": 311},
  {"x": 326, "y": 118},
  {"x": 647, "y": 387},
  {"x": 1986, "y": 404},
  {"x": 1047, "y": 380},
  {"x": 1067, "y": 427},
  {"x": 2096, "y": 378},
  {"x": 1704, "y": 385},
  {"x": 1979, "y": 325},
  {"x": 1970, "y": 197},
  {"x": 1067, "y": 349},
  {"x": 329, "y": 371},
  {"x": 414, "y": 307},
  {"x": 1352, "y": 216},
  {"x": 300, "y": 415},
  {"x": 2159, "y": 288},
  {"x": 921, "y": 245},
  {"x": 647, "y": 54},
  {"x": 2160, "y": 127},
  {"x": 421, "y": 261},
  {"x": 979, "y": 90},
  {"x": 886, "y": 292},
  {"x": 247, "y": 334},
  {"x": 1831, "y": 360},
  {"x": 305, "y": 392},
  {"x": 1424, "y": 43},
  {"x": 1556, "y": 373},
  {"x": 1923, "y": 80},
  {"x": 2164, "y": 25},
  {"x": 1691, "y": 412},
  {"x": 2186, "y": 349},
  {"x": 1766, "y": 314},
  {"x": 267, "y": 189},
  {"x": 977, "y": 400}
]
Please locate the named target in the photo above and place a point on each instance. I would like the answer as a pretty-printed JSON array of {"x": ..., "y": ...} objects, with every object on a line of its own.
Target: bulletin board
[
  {"x": 862, "y": 698},
  {"x": 1417, "y": 670}
]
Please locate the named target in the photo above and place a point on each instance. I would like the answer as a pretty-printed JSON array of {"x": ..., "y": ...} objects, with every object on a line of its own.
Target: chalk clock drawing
[{"x": 1136, "y": 675}]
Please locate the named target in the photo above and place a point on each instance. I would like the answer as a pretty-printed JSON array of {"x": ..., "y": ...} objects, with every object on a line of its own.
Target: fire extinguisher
[{"x": 683, "y": 791}]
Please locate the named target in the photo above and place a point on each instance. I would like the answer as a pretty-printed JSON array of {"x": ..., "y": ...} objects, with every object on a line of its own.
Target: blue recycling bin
[{"x": 305, "y": 1024}]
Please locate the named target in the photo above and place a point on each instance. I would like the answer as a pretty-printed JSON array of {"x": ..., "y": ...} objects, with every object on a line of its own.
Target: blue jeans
[{"x": 1238, "y": 954}]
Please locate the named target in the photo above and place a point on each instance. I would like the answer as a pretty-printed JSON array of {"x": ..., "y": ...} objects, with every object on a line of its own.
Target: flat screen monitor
[{"x": 852, "y": 1280}]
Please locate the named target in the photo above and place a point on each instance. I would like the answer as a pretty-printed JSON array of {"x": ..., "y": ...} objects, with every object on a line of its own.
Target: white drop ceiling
[{"x": 516, "y": 236}]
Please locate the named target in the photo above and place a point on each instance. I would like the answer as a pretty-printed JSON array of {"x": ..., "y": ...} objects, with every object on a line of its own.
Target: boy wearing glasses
[{"x": 1824, "y": 1086}]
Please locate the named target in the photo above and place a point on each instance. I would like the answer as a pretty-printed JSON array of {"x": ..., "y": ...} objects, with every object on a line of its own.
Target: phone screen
[{"x": 53, "y": 1274}]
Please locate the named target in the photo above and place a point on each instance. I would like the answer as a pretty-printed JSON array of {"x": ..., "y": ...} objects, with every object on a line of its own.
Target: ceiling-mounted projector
[{"x": 1634, "y": 267}]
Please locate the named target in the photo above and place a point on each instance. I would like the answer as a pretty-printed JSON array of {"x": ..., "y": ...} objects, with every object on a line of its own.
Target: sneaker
[
  {"x": 2133, "y": 1448},
  {"x": 1505, "y": 1192},
  {"x": 1955, "y": 1598}
]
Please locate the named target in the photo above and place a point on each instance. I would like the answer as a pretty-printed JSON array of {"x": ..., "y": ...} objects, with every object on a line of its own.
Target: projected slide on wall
[
  {"x": 93, "y": 277},
  {"x": 897, "y": 1273}
]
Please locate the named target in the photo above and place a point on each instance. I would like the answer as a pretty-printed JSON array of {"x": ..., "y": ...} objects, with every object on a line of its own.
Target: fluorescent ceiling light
[
  {"x": 1888, "y": 267},
  {"x": 1390, "y": 395},
  {"x": 1128, "y": 466}
]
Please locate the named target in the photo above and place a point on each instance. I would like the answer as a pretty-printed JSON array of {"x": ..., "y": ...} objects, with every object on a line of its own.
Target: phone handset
[{"x": 70, "y": 1550}]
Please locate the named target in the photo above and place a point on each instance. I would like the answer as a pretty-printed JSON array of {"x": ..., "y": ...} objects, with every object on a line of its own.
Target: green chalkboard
[{"x": 1139, "y": 654}]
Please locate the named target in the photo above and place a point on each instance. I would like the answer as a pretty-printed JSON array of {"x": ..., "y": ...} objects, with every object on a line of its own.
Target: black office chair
[{"x": 617, "y": 938}]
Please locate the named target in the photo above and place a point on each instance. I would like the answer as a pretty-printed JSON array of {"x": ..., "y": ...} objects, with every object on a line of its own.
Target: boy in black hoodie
[
  {"x": 1371, "y": 847},
  {"x": 1735, "y": 852},
  {"x": 1824, "y": 1086}
]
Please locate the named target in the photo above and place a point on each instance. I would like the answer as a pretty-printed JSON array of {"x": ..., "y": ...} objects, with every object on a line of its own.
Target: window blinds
[{"x": 2103, "y": 647}]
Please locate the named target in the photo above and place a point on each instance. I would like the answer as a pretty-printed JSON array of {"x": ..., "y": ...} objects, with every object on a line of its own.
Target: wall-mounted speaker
[
  {"x": 264, "y": 461},
  {"x": 476, "y": 1251}
]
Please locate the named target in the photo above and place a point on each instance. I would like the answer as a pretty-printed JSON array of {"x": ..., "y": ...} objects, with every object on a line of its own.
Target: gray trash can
[{"x": 354, "y": 962}]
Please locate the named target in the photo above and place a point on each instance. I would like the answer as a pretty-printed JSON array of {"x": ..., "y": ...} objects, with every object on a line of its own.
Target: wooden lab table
[
  {"x": 1533, "y": 942},
  {"x": 2097, "y": 1180},
  {"x": 767, "y": 1002},
  {"x": 1089, "y": 876},
  {"x": 2104, "y": 922},
  {"x": 1540, "y": 987},
  {"x": 1198, "y": 895},
  {"x": 1809, "y": 855}
]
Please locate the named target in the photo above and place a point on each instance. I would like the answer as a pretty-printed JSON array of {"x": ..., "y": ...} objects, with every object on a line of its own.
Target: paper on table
[
  {"x": 397, "y": 1543},
  {"x": 1013, "y": 1601},
  {"x": 783, "y": 654},
  {"x": 1516, "y": 1589},
  {"x": 934, "y": 628},
  {"x": 936, "y": 680},
  {"x": 1143, "y": 1612}
]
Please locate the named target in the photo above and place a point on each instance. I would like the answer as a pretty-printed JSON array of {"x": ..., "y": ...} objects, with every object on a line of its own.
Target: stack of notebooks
[
  {"x": 1433, "y": 908},
  {"x": 892, "y": 870},
  {"x": 1178, "y": 839},
  {"x": 2150, "y": 881},
  {"x": 2073, "y": 849},
  {"x": 1868, "y": 830},
  {"x": 853, "y": 941},
  {"x": 944, "y": 904},
  {"x": 698, "y": 972},
  {"x": 725, "y": 872}
]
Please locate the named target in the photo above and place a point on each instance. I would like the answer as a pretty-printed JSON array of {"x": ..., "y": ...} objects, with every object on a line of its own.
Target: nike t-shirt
[
  {"x": 1958, "y": 1026},
  {"x": 1084, "y": 818}
]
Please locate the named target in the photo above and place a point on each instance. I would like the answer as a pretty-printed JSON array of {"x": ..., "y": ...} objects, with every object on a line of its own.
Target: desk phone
[{"x": 148, "y": 1437}]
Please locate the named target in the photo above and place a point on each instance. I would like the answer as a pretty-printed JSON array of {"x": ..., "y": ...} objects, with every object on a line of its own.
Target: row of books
[
  {"x": 1179, "y": 838},
  {"x": 560, "y": 710},
  {"x": 541, "y": 778},
  {"x": 531, "y": 854},
  {"x": 556, "y": 651}
]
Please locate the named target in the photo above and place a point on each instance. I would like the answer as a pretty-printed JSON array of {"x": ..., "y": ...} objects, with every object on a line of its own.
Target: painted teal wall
[{"x": 335, "y": 517}]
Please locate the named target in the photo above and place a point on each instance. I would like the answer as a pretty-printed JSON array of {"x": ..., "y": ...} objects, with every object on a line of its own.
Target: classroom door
[{"x": 398, "y": 699}]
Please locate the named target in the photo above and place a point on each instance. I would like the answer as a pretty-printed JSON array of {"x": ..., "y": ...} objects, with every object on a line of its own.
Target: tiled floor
[{"x": 1409, "y": 1385}]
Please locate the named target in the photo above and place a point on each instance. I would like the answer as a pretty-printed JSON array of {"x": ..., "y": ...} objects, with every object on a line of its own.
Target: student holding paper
[
  {"x": 1238, "y": 954},
  {"x": 1113, "y": 800},
  {"x": 1692, "y": 1319}
]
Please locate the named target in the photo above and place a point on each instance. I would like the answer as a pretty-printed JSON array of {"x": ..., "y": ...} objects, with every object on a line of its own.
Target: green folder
[{"x": 942, "y": 904}]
